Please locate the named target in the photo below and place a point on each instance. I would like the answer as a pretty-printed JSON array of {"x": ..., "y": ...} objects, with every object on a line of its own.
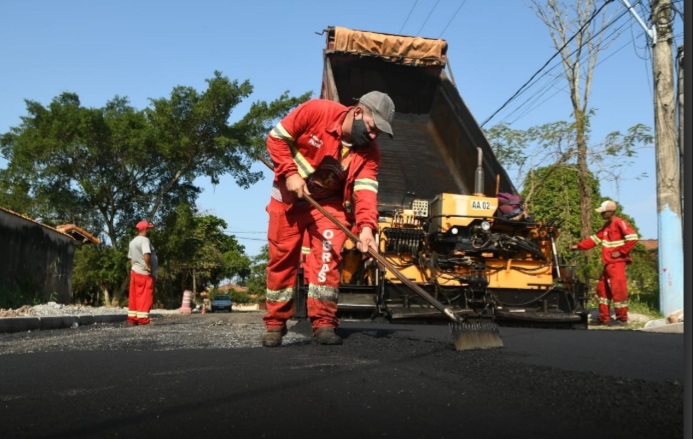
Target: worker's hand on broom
[
  {"x": 366, "y": 239},
  {"x": 296, "y": 184}
]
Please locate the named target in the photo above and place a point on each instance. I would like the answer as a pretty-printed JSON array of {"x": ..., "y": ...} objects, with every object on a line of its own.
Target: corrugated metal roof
[
  {"x": 78, "y": 233},
  {"x": 70, "y": 230}
]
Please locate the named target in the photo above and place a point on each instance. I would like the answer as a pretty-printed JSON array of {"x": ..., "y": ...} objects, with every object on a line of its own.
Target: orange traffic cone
[{"x": 185, "y": 306}]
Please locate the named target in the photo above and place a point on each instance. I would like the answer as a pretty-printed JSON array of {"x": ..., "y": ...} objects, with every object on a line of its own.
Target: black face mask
[{"x": 359, "y": 133}]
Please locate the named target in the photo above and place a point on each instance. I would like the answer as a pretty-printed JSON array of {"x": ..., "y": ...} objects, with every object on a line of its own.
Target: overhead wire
[
  {"x": 409, "y": 15},
  {"x": 558, "y": 52},
  {"x": 427, "y": 17},
  {"x": 538, "y": 75},
  {"x": 452, "y": 18},
  {"x": 550, "y": 86}
]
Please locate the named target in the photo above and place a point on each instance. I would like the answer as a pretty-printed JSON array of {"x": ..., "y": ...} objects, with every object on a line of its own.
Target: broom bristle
[{"x": 476, "y": 335}]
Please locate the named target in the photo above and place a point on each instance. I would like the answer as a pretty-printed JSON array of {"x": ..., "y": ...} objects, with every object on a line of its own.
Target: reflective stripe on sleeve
[
  {"x": 366, "y": 184},
  {"x": 304, "y": 168}
]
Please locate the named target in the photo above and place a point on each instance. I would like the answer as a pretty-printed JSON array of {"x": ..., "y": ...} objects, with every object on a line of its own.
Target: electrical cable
[
  {"x": 452, "y": 18},
  {"x": 545, "y": 88},
  {"x": 429, "y": 16},
  {"x": 558, "y": 52},
  {"x": 409, "y": 15},
  {"x": 550, "y": 86}
]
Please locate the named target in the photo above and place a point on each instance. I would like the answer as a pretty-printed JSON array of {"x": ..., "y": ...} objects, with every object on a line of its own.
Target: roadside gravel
[
  {"x": 169, "y": 330},
  {"x": 58, "y": 309}
]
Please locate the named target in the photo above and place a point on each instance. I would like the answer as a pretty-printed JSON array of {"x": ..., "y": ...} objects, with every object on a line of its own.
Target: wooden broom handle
[{"x": 377, "y": 256}]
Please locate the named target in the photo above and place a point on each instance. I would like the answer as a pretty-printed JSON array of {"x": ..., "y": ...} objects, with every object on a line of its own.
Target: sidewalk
[{"x": 640, "y": 322}]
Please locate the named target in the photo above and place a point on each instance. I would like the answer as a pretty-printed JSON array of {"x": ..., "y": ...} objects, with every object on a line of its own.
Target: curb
[
  {"x": 19, "y": 324},
  {"x": 110, "y": 318},
  {"x": 24, "y": 324},
  {"x": 669, "y": 328},
  {"x": 58, "y": 322}
]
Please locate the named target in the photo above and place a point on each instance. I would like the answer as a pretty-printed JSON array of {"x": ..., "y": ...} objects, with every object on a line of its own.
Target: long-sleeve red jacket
[
  {"x": 300, "y": 141},
  {"x": 616, "y": 235}
]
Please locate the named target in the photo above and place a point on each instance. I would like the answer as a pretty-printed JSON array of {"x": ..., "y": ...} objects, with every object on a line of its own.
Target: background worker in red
[
  {"x": 617, "y": 239},
  {"x": 143, "y": 268},
  {"x": 328, "y": 151}
]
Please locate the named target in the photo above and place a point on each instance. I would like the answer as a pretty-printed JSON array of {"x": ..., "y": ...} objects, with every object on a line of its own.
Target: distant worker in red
[
  {"x": 617, "y": 239},
  {"x": 328, "y": 151},
  {"x": 143, "y": 268}
]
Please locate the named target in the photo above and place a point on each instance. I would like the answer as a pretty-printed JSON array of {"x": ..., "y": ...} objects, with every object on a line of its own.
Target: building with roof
[{"x": 36, "y": 260}]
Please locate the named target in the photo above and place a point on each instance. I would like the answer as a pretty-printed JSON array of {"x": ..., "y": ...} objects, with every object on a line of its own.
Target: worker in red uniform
[
  {"x": 328, "y": 151},
  {"x": 617, "y": 239},
  {"x": 143, "y": 268}
]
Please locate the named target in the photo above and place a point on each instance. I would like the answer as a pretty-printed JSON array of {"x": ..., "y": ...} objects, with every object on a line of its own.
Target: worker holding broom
[{"x": 328, "y": 151}]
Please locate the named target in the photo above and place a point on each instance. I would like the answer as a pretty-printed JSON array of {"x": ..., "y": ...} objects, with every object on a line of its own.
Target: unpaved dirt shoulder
[{"x": 168, "y": 331}]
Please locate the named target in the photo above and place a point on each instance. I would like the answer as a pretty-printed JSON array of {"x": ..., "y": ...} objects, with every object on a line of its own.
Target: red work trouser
[
  {"x": 287, "y": 226},
  {"x": 613, "y": 286},
  {"x": 140, "y": 299}
]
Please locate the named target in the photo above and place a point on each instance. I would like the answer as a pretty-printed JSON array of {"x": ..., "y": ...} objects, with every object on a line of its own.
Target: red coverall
[
  {"x": 299, "y": 144},
  {"x": 615, "y": 235},
  {"x": 141, "y": 298}
]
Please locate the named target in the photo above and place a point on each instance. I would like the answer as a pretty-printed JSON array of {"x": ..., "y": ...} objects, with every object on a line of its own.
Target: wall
[{"x": 35, "y": 260}]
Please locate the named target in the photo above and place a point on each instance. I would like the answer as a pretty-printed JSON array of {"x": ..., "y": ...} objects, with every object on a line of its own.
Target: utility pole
[
  {"x": 680, "y": 66},
  {"x": 669, "y": 228},
  {"x": 670, "y": 231}
]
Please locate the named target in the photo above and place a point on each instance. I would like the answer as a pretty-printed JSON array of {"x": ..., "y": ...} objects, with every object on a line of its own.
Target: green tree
[
  {"x": 100, "y": 275},
  {"x": 104, "y": 167},
  {"x": 576, "y": 30},
  {"x": 256, "y": 282},
  {"x": 555, "y": 201},
  {"x": 196, "y": 254},
  {"x": 554, "y": 145}
]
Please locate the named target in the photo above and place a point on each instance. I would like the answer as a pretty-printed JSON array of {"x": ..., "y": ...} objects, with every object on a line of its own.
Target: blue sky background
[{"x": 142, "y": 49}]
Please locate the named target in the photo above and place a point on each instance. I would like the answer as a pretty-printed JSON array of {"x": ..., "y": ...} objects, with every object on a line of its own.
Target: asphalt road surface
[{"x": 207, "y": 376}]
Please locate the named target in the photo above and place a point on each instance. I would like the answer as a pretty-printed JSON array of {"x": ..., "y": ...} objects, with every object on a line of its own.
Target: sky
[{"x": 143, "y": 49}]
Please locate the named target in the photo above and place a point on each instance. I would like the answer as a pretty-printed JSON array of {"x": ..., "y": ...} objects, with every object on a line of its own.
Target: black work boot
[
  {"x": 327, "y": 336},
  {"x": 273, "y": 337}
]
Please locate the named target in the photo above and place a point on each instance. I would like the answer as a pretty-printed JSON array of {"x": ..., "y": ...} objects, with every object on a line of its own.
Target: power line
[
  {"x": 429, "y": 16},
  {"x": 507, "y": 119},
  {"x": 452, "y": 18},
  {"x": 531, "y": 80},
  {"x": 407, "y": 19},
  {"x": 545, "y": 88}
]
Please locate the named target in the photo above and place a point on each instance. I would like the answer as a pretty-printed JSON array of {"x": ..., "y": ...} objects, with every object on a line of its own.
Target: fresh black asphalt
[{"x": 386, "y": 381}]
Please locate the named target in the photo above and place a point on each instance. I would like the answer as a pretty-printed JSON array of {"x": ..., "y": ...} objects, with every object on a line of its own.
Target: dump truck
[{"x": 439, "y": 201}]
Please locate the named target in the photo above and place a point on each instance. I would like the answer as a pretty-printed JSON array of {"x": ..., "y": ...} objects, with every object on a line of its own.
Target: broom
[{"x": 466, "y": 335}]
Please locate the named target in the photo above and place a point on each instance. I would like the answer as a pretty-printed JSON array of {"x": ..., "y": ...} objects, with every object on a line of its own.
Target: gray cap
[
  {"x": 606, "y": 206},
  {"x": 383, "y": 110}
]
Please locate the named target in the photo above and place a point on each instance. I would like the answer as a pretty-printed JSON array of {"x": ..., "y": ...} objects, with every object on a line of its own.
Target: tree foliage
[
  {"x": 103, "y": 168},
  {"x": 256, "y": 282},
  {"x": 553, "y": 145},
  {"x": 106, "y": 168},
  {"x": 576, "y": 29},
  {"x": 196, "y": 253},
  {"x": 100, "y": 275},
  {"x": 555, "y": 201}
]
